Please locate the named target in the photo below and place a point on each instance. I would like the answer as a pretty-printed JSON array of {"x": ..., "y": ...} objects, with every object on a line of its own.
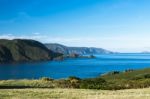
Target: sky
[{"x": 116, "y": 25}]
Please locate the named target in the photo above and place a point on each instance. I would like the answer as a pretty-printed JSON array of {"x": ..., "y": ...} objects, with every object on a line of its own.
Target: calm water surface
[{"x": 83, "y": 68}]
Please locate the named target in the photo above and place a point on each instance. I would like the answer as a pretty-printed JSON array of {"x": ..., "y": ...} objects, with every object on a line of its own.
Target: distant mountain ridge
[
  {"x": 78, "y": 50},
  {"x": 19, "y": 50}
]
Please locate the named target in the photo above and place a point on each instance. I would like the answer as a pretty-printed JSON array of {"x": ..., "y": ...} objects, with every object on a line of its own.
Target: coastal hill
[
  {"x": 19, "y": 50},
  {"x": 78, "y": 50}
]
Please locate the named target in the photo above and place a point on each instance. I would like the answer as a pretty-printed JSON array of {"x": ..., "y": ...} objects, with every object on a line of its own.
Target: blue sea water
[{"x": 80, "y": 67}]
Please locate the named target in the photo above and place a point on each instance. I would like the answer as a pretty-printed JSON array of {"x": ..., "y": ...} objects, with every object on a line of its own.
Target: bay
[{"x": 80, "y": 67}]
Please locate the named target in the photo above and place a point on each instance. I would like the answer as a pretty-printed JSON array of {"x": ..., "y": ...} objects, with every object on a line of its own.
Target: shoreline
[{"x": 111, "y": 81}]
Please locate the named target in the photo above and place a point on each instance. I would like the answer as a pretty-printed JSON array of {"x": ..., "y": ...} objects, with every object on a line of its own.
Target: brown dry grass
[{"x": 74, "y": 94}]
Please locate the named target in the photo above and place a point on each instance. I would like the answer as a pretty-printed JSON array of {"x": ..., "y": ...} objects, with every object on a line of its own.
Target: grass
[
  {"x": 128, "y": 80},
  {"x": 25, "y": 84},
  {"x": 34, "y": 93},
  {"x": 126, "y": 75}
]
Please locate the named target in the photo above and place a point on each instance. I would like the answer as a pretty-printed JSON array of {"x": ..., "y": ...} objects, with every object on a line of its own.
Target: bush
[
  {"x": 93, "y": 83},
  {"x": 62, "y": 83},
  {"x": 46, "y": 79},
  {"x": 74, "y": 81},
  {"x": 147, "y": 76}
]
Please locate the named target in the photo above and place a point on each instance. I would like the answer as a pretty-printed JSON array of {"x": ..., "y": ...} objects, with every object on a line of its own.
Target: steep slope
[
  {"x": 88, "y": 50},
  {"x": 24, "y": 50},
  {"x": 57, "y": 48},
  {"x": 78, "y": 50},
  {"x": 5, "y": 54}
]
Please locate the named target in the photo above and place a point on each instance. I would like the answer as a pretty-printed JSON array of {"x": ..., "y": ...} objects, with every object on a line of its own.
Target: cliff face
[
  {"x": 18, "y": 50},
  {"x": 78, "y": 50}
]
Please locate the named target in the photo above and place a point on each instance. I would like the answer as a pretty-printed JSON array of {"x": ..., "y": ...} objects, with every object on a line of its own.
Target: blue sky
[{"x": 117, "y": 25}]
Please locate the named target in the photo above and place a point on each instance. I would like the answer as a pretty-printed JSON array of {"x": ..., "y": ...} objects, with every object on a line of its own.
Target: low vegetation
[{"x": 110, "y": 81}]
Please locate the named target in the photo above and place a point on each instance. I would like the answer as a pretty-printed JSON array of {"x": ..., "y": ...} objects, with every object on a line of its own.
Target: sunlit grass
[{"x": 74, "y": 94}]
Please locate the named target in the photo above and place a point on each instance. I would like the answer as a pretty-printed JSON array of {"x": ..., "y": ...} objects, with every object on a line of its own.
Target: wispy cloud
[
  {"x": 45, "y": 38},
  {"x": 35, "y": 36}
]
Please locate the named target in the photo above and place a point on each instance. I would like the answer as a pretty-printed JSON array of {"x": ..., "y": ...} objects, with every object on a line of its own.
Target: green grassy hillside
[
  {"x": 18, "y": 50},
  {"x": 129, "y": 75}
]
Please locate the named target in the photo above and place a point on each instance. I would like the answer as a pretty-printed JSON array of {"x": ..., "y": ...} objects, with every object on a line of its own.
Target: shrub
[
  {"x": 93, "y": 83},
  {"x": 46, "y": 79},
  {"x": 147, "y": 76},
  {"x": 62, "y": 83},
  {"x": 74, "y": 81}
]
